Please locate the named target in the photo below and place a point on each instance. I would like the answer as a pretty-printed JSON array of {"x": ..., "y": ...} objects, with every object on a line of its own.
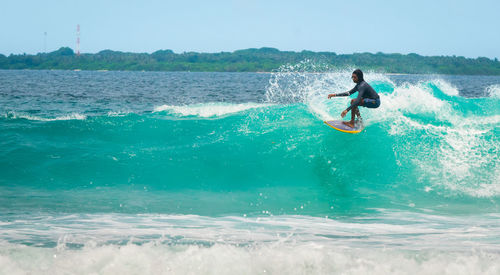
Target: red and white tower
[{"x": 78, "y": 39}]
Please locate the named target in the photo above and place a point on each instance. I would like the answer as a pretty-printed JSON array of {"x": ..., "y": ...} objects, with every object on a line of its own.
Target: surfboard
[{"x": 339, "y": 126}]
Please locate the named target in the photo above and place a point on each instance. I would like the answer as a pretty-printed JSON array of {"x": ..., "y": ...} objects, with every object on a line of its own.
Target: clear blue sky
[{"x": 427, "y": 27}]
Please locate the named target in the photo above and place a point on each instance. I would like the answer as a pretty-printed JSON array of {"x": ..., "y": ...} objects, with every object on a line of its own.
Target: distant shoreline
[
  {"x": 104, "y": 71},
  {"x": 263, "y": 60}
]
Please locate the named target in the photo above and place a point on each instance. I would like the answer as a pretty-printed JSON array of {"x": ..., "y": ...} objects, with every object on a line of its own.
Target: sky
[{"x": 426, "y": 27}]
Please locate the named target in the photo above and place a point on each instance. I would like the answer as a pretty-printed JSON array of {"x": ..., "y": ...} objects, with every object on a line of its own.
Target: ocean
[{"x": 236, "y": 173}]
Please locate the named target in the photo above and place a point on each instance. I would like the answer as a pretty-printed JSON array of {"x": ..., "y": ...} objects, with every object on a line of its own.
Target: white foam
[
  {"x": 456, "y": 155},
  {"x": 446, "y": 87},
  {"x": 417, "y": 243},
  {"x": 118, "y": 113},
  {"x": 417, "y": 231},
  {"x": 313, "y": 258},
  {"x": 493, "y": 91},
  {"x": 413, "y": 99},
  {"x": 74, "y": 116},
  {"x": 213, "y": 109}
]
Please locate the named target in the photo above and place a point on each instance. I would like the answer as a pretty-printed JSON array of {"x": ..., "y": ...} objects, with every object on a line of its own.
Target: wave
[
  {"x": 424, "y": 142},
  {"x": 458, "y": 152},
  {"x": 211, "y": 109},
  {"x": 201, "y": 110}
]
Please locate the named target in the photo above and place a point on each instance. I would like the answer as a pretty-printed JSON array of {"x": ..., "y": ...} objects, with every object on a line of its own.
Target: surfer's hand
[
  {"x": 331, "y": 95},
  {"x": 343, "y": 113}
]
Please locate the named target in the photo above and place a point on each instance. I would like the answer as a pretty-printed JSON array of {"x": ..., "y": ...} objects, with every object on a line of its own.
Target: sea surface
[{"x": 236, "y": 173}]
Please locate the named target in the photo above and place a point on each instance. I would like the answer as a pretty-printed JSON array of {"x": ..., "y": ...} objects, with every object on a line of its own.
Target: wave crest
[
  {"x": 73, "y": 116},
  {"x": 207, "y": 110}
]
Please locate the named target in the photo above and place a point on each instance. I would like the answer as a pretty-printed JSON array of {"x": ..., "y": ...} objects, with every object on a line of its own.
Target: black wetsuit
[{"x": 365, "y": 91}]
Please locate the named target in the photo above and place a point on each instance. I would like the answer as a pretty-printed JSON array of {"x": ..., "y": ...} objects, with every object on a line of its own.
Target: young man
[{"x": 367, "y": 97}]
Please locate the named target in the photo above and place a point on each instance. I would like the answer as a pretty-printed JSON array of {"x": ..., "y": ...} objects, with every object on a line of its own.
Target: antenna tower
[
  {"x": 44, "y": 42},
  {"x": 78, "y": 39}
]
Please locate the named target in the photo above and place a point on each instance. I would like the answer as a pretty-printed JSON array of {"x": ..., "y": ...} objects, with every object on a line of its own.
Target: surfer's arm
[{"x": 348, "y": 93}]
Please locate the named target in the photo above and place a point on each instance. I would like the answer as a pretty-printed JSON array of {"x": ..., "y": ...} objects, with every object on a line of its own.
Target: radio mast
[
  {"x": 78, "y": 40},
  {"x": 44, "y": 42}
]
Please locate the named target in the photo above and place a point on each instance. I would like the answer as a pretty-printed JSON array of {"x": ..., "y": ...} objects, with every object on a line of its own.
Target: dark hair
[{"x": 359, "y": 74}]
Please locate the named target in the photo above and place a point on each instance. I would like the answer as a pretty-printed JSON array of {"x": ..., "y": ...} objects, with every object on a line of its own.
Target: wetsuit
[{"x": 365, "y": 91}]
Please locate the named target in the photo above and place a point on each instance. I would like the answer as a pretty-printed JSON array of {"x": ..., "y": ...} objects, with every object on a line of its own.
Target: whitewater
[{"x": 224, "y": 173}]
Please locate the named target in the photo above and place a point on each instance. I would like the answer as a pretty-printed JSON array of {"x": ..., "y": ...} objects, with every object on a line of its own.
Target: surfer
[{"x": 367, "y": 97}]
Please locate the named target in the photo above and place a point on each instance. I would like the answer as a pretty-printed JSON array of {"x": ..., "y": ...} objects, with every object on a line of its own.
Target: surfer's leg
[
  {"x": 354, "y": 111},
  {"x": 357, "y": 109},
  {"x": 358, "y": 114}
]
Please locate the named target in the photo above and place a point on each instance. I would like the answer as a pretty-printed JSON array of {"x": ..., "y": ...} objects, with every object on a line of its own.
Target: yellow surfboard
[{"x": 339, "y": 126}]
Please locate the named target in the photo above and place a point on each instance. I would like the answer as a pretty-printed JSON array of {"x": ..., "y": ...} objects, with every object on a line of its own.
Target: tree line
[{"x": 250, "y": 60}]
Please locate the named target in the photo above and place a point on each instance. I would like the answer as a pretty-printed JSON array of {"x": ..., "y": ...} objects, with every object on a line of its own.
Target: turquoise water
[{"x": 216, "y": 172}]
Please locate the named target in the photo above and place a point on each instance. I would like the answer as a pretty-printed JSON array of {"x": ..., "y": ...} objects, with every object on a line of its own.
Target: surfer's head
[{"x": 357, "y": 76}]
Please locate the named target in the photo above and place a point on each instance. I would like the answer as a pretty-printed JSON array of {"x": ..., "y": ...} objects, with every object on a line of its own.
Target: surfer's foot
[{"x": 349, "y": 123}]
